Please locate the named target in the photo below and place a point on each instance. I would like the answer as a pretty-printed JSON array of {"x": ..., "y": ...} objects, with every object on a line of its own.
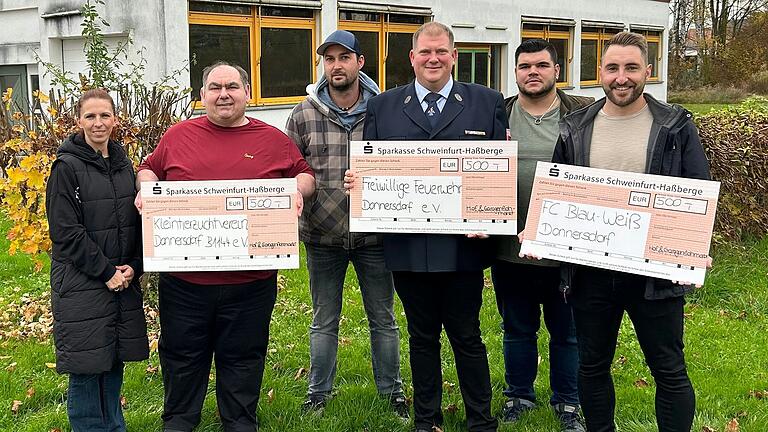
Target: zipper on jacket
[
  {"x": 349, "y": 203},
  {"x": 117, "y": 215}
]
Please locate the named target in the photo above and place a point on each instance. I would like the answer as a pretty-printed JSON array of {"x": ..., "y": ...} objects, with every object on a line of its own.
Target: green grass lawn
[
  {"x": 704, "y": 107},
  {"x": 726, "y": 339}
]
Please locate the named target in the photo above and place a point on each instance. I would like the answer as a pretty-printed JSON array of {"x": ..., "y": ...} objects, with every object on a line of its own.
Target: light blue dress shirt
[{"x": 422, "y": 92}]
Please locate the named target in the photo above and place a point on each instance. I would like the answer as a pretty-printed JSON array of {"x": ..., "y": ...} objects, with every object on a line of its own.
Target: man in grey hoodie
[{"x": 322, "y": 126}]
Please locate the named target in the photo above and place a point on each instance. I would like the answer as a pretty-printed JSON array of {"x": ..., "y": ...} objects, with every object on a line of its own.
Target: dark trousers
[
  {"x": 200, "y": 321},
  {"x": 600, "y": 298},
  {"x": 523, "y": 291},
  {"x": 450, "y": 300}
]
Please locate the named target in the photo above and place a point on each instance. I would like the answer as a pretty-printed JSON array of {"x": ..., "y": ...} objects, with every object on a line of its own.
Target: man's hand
[
  {"x": 477, "y": 235},
  {"x": 349, "y": 181},
  {"x": 144, "y": 175},
  {"x": 128, "y": 274},
  {"x": 520, "y": 238},
  {"x": 708, "y": 265},
  {"x": 299, "y": 203},
  {"x": 117, "y": 282},
  {"x": 137, "y": 201}
]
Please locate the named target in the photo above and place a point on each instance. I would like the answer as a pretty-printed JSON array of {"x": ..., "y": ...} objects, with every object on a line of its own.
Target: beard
[
  {"x": 547, "y": 89},
  {"x": 637, "y": 91},
  {"x": 343, "y": 85}
]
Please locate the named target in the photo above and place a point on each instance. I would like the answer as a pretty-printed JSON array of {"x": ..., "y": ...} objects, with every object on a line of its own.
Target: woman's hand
[
  {"x": 117, "y": 282},
  {"x": 128, "y": 274}
]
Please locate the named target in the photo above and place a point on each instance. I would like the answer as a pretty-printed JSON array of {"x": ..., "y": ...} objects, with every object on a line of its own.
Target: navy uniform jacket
[{"x": 397, "y": 115}]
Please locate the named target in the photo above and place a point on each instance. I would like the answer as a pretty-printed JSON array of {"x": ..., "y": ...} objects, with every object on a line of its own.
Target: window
[
  {"x": 560, "y": 36},
  {"x": 385, "y": 40},
  {"x": 275, "y": 45},
  {"x": 15, "y": 77},
  {"x": 654, "y": 50},
  {"x": 473, "y": 65},
  {"x": 478, "y": 64},
  {"x": 592, "y": 40}
]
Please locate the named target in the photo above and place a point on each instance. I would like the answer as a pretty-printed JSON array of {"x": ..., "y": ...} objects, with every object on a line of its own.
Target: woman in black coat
[{"x": 95, "y": 266}]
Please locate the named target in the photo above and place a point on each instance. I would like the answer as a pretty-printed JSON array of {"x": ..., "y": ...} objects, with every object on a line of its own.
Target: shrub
[
  {"x": 736, "y": 142},
  {"x": 709, "y": 95},
  {"x": 758, "y": 82},
  {"x": 28, "y": 142}
]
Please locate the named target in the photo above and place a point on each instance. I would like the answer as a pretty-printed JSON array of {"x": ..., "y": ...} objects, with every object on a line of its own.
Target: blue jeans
[
  {"x": 93, "y": 401},
  {"x": 522, "y": 292},
  {"x": 327, "y": 268}
]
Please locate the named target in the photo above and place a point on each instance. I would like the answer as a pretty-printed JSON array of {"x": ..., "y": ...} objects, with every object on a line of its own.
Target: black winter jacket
[
  {"x": 674, "y": 149},
  {"x": 94, "y": 227}
]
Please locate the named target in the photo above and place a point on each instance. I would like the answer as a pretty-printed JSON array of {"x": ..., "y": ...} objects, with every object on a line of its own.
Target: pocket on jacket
[
  {"x": 474, "y": 135},
  {"x": 58, "y": 273}
]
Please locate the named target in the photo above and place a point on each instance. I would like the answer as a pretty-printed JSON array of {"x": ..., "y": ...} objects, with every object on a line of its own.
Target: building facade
[{"x": 275, "y": 40}]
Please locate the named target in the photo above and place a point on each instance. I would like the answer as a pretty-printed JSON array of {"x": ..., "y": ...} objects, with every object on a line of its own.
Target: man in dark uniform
[{"x": 439, "y": 278}]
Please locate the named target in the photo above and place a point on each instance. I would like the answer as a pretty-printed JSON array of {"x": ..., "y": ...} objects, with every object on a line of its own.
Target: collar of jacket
[
  {"x": 568, "y": 102},
  {"x": 453, "y": 106},
  {"x": 368, "y": 87},
  {"x": 76, "y": 146},
  {"x": 664, "y": 114}
]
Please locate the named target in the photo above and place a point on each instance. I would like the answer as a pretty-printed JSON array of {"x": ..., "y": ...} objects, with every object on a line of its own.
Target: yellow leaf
[
  {"x": 8, "y": 94},
  {"x": 15, "y": 175},
  {"x": 50, "y": 365},
  {"x": 42, "y": 97},
  {"x": 35, "y": 180},
  {"x": 15, "y": 406},
  {"x": 30, "y": 392},
  {"x": 52, "y": 111}
]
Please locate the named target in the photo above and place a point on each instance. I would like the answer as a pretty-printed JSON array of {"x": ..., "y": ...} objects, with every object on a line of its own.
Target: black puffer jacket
[{"x": 94, "y": 227}]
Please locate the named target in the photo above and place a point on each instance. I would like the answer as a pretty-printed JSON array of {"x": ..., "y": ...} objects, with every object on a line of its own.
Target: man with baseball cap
[{"x": 322, "y": 126}]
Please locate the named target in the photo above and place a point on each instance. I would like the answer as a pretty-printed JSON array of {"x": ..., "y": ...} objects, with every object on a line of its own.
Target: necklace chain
[{"x": 537, "y": 120}]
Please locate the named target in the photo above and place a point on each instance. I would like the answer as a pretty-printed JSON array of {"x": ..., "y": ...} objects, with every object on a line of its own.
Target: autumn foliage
[
  {"x": 28, "y": 140},
  {"x": 736, "y": 143}
]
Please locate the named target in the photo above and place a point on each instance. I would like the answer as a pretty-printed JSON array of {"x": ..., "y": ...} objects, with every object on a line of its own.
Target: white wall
[
  {"x": 19, "y": 32},
  {"x": 161, "y": 28}
]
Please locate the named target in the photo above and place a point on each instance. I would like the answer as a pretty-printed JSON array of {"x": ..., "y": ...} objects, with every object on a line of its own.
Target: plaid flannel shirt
[{"x": 324, "y": 143}]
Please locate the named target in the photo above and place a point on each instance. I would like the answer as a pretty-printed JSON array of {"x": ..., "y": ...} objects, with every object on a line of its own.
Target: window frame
[
  {"x": 255, "y": 22},
  {"x": 653, "y": 36},
  {"x": 474, "y": 49},
  {"x": 603, "y": 35},
  {"x": 547, "y": 35},
  {"x": 383, "y": 28}
]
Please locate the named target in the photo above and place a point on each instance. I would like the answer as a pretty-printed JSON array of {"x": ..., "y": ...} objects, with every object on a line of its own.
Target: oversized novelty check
[
  {"x": 636, "y": 223},
  {"x": 437, "y": 187},
  {"x": 220, "y": 225}
]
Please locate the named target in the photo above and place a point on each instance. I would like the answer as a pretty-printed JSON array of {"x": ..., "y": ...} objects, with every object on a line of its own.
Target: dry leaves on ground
[
  {"x": 28, "y": 318},
  {"x": 299, "y": 374}
]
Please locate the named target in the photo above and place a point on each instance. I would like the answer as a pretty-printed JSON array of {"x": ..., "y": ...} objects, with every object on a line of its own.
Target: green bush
[
  {"x": 708, "y": 95},
  {"x": 736, "y": 142}
]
